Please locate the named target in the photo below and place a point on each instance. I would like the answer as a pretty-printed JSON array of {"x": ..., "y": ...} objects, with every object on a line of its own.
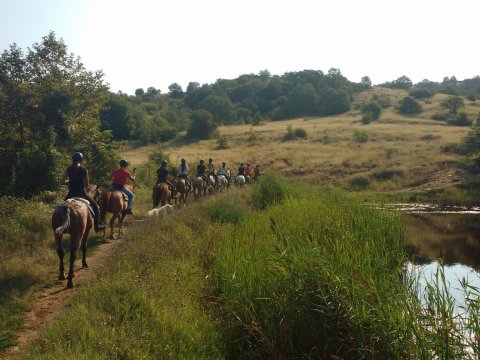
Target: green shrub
[
  {"x": 269, "y": 191},
  {"x": 222, "y": 142},
  {"x": 360, "y": 136},
  {"x": 300, "y": 133},
  {"x": 371, "y": 111},
  {"x": 409, "y": 106},
  {"x": 471, "y": 97},
  {"x": 429, "y": 137},
  {"x": 359, "y": 182},
  {"x": 439, "y": 117},
  {"x": 460, "y": 120},
  {"x": 367, "y": 118},
  {"x": 225, "y": 211},
  {"x": 388, "y": 174},
  {"x": 294, "y": 133},
  {"x": 421, "y": 93}
]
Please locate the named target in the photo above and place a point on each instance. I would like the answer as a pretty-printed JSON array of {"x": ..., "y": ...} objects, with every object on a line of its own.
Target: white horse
[
  {"x": 240, "y": 181},
  {"x": 222, "y": 182}
]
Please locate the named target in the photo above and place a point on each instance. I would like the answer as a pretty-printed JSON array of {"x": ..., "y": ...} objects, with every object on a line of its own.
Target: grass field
[{"x": 401, "y": 153}]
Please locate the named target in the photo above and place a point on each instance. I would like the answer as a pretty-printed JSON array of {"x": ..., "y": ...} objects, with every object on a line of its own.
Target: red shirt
[{"x": 120, "y": 176}]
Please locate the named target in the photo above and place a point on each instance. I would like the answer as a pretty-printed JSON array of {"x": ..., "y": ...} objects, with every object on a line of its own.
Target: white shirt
[{"x": 183, "y": 171}]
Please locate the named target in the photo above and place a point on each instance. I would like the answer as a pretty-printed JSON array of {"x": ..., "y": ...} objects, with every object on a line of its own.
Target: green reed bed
[{"x": 317, "y": 275}]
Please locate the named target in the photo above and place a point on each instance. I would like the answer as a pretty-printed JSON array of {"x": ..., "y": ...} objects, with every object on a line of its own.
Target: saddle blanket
[{"x": 83, "y": 201}]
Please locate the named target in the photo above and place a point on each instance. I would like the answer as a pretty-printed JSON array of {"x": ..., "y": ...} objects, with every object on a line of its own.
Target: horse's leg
[
  {"x": 112, "y": 223},
  {"x": 84, "y": 247},
  {"x": 74, "y": 242},
  {"x": 121, "y": 217},
  {"x": 61, "y": 253}
]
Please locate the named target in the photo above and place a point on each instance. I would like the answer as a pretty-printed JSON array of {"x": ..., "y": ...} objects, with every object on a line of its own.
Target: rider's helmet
[
  {"x": 78, "y": 156},
  {"x": 248, "y": 164},
  {"x": 241, "y": 164},
  {"x": 163, "y": 163},
  {"x": 202, "y": 161},
  {"x": 224, "y": 163},
  {"x": 183, "y": 160},
  {"x": 123, "y": 163},
  {"x": 210, "y": 160}
]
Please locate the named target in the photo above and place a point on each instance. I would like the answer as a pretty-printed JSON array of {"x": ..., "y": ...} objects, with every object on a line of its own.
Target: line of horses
[{"x": 75, "y": 218}]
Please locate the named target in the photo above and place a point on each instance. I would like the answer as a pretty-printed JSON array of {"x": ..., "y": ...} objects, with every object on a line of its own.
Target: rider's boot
[{"x": 96, "y": 225}]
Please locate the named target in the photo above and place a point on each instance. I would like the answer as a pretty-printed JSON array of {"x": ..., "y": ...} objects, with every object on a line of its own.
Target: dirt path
[{"x": 50, "y": 303}]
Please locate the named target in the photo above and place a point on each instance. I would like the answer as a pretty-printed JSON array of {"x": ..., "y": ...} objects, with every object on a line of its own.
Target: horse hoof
[
  {"x": 62, "y": 276},
  {"x": 85, "y": 266}
]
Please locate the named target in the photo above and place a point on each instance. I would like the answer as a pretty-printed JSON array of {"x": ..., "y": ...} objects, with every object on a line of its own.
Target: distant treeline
[{"x": 51, "y": 106}]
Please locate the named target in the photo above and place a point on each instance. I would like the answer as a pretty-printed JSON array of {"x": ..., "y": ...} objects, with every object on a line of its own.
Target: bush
[
  {"x": 388, "y": 174},
  {"x": 359, "y": 182},
  {"x": 409, "y": 106},
  {"x": 294, "y": 133},
  {"x": 421, "y": 93},
  {"x": 367, "y": 118},
  {"x": 202, "y": 125},
  {"x": 471, "y": 97},
  {"x": 429, "y": 137},
  {"x": 360, "y": 136},
  {"x": 461, "y": 120},
  {"x": 300, "y": 133},
  {"x": 372, "y": 109},
  {"x": 269, "y": 191},
  {"x": 224, "y": 211},
  {"x": 222, "y": 142}
]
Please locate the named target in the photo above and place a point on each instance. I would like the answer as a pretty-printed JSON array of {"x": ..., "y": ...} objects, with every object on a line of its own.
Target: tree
[
  {"x": 202, "y": 125},
  {"x": 302, "y": 100},
  {"x": 371, "y": 112},
  {"x": 453, "y": 103},
  {"x": 409, "y": 106},
  {"x": 366, "y": 82},
  {"x": 470, "y": 144},
  {"x": 403, "y": 82},
  {"x": 49, "y": 108},
  {"x": 175, "y": 91},
  {"x": 139, "y": 92},
  {"x": 220, "y": 108}
]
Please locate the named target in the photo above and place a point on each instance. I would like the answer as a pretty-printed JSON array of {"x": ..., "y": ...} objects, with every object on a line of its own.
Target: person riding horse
[
  {"x": 224, "y": 171},
  {"x": 183, "y": 171},
  {"x": 248, "y": 172},
  {"x": 162, "y": 177},
  {"x": 76, "y": 176},
  {"x": 211, "y": 170},
  {"x": 119, "y": 178},
  {"x": 201, "y": 172},
  {"x": 256, "y": 173},
  {"x": 241, "y": 170}
]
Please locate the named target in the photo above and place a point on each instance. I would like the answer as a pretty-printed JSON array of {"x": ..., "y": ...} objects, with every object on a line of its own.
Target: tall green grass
[
  {"x": 317, "y": 275},
  {"x": 24, "y": 258}
]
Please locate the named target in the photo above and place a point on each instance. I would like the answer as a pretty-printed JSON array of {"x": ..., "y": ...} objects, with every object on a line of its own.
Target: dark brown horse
[
  {"x": 73, "y": 217},
  {"x": 161, "y": 194},
  {"x": 183, "y": 189},
  {"x": 113, "y": 201}
]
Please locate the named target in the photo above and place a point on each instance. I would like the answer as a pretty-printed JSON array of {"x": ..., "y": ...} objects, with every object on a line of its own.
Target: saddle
[
  {"x": 112, "y": 189},
  {"x": 78, "y": 201}
]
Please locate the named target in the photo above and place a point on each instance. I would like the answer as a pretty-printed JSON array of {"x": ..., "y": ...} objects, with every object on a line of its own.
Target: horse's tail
[
  {"x": 105, "y": 201},
  {"x": 65, "y": 221}
]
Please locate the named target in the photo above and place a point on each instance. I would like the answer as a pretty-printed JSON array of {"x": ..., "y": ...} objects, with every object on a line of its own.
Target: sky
[{"x": 142, "y": 43}]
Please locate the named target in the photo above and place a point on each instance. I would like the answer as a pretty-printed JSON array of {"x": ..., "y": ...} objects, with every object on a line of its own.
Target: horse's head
[{"x": 94, "y": 191}]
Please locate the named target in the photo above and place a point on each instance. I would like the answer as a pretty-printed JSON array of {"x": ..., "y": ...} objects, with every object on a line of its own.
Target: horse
[
  {"x": 161, "y": 194},
  {"x": 183, "y": 189},
  {"x": 199, "y": 186},
  {"x": 113, "y": 201},
  {"x": 75, "y": 218},
  {"x": 240, "y": 181},
  {"x": 222, "y": 183},
  {"x": 213, "y": 185}
]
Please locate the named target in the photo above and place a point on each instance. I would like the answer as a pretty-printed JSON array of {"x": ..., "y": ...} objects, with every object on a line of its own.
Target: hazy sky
[{"x": 141, "y": 43}]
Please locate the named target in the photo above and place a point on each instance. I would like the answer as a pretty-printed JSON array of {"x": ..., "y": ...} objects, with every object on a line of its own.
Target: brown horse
[
  {"x": 199, "y": 186},
  {"x": 183, "y": 189},
  {"x": 161, "y": 194},
  {"x": 113, "y": 201},
  {"x": 73, "y": 217}
]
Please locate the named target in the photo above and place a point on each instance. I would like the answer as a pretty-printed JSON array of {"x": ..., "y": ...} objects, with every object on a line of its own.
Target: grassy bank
[{"x": 281, "y": 271}]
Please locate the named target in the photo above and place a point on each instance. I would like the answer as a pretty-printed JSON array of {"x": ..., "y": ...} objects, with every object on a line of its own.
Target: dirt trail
[{"x": 50, "y": 303}]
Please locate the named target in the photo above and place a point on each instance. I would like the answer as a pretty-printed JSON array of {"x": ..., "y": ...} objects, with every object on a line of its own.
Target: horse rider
[
  {"x": 241, "y": 170},
  {"x": 120, "y": 176},
  {"x": 77, "y": 178},
  {"x": 183, "y": 171},
  {"x": 224, "y": 171},
  {"x": 211, "y": 169},
  {"x": 201, "y": 172},
  {"x": 256, "y": 172},
  {"x": 162, "y": 177},
  {"x": 248, "y": 171}
]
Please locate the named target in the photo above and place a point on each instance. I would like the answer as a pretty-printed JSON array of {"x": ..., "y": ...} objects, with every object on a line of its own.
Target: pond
[{"x": 450, "y": 233}]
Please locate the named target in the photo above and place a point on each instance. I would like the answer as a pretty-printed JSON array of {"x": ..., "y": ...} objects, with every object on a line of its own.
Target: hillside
[{"x": 401, "y": 153}]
